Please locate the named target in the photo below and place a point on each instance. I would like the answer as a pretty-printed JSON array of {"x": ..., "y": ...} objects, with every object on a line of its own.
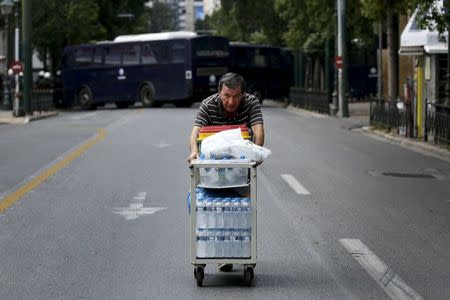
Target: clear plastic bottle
[
  {"x": 210, "y": 241},
  {"x": 201, "y": 216},
  {"x": 226, "y": 243},
  {"x": 218, "y": 212},
  {"x": 209, "y": 214},
  {"x": 237, "y": 213},
  {"x": 246, "y": 221},
  {"x": 227, "y": 213},
  {"x": 246, "y": 243},
  {"x": 201, "y": 243},
  {"x": 218, "y": 246}
]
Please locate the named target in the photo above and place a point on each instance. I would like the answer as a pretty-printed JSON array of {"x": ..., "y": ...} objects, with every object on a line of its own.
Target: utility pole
[
  {"x": 342, "y": 58},
  {"x": 380, "y": 62},
  {"x": 26, "y": 43}
]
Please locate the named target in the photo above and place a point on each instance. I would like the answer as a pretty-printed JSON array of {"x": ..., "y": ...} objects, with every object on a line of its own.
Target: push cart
[{"x": 223, "y": 215}]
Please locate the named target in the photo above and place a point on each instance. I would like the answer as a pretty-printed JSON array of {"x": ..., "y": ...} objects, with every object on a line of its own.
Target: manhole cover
[{"x": 409, "y": 175}]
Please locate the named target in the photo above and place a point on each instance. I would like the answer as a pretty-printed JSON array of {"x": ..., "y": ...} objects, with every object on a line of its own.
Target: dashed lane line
[
  {"x": 386, "y": 278},
  {"x": 43, "y": 176},
  {"x": 295, "y": 185}
]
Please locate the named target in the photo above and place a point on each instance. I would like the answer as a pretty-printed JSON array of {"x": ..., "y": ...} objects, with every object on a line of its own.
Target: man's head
[{"x": 231, "y": 91}]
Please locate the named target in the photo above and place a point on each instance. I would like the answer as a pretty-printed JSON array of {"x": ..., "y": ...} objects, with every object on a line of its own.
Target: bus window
[
  {"x": 83, "y": 57},
  {"x": 98, "y": 60},
  {"x": 148, "y": 57},
  {"x": 259, "y": 59},
  {"x": 113, "y": 55},
  {"x": 131, "y": 54},
  {"x": 161, "y": 53},
  {"x": 178, "y": 53}
]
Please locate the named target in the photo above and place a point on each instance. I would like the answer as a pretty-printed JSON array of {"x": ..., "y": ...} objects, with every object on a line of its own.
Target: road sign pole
[
  {"x": 342, "y": 52},
  {"x": 26, "y": 43}
]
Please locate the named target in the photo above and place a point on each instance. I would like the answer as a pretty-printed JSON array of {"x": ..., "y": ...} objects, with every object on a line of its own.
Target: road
[{"x": 331, "y": 223}]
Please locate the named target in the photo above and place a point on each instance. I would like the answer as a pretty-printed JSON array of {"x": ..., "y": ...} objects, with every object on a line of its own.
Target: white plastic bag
[{"x": 231, "y": 143}]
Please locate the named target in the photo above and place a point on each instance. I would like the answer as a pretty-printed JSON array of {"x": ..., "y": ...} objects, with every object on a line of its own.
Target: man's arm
[
  {"x": 258, "y": 134},
  {"x": 193, "y": 143}
]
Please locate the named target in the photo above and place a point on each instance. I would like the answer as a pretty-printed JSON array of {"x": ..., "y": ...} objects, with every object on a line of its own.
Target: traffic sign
[
  {"x": 339, "y": 62},
  {"x": 17, "y": 67}
]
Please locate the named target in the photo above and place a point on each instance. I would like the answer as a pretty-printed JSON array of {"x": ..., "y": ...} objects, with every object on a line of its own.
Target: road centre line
[
  {"x": 295, "y": 185},
  {"x": 390, "y": 282},
  {"x": 13, "y": 197}
]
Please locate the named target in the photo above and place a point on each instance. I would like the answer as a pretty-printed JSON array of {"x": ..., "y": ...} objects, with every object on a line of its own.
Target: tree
[
  {"x": 387, "y": 11},
  {"x": 249, "y": 21},
  {"x": 161, "y": 17},
  {"x": 52, "y": 34}
]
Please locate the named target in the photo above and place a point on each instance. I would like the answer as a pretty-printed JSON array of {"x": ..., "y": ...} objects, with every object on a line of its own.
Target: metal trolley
[{"x": 249, "y": 187}]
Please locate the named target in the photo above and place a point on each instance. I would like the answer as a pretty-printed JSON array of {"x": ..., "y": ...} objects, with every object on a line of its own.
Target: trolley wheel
[
  {"x": 248, "y": 275},
  {"x": 199, "y": 274}
]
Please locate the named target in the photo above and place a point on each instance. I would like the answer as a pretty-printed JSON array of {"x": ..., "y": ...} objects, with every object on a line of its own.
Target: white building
[{"x": 210, "y": 6}]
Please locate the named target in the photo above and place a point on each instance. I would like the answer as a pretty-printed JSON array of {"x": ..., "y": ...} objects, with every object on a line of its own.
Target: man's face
[{"x": 231, "y": 98}]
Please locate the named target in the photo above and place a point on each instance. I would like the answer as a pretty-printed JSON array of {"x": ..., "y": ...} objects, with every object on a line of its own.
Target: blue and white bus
[{"x": 170, "y": 67}]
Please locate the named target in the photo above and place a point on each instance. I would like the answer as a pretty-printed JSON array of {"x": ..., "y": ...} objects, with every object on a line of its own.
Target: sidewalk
[
  {"x": 6, "y": 117},
  {"x": 359, "y": 120}
]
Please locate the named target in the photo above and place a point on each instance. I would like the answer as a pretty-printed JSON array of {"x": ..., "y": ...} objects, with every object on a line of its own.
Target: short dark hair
[{"x": 232, "y": 80}]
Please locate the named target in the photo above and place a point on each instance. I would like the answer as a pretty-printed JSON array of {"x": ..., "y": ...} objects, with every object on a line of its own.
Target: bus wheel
[
  {"x": 85, "y": 98},
  {"x": 146, "y": 96}
]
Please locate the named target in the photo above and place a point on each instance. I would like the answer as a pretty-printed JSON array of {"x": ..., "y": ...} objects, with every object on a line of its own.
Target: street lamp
[{"x": 6, "y": 7}]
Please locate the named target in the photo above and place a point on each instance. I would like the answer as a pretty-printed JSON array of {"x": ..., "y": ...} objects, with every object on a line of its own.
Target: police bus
[
  {"x": 170, "y": 67},
  {"x": 268, "y": 71}
]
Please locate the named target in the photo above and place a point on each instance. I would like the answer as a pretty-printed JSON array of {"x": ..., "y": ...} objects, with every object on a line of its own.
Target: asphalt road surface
[{"x": 340, "y": 215}]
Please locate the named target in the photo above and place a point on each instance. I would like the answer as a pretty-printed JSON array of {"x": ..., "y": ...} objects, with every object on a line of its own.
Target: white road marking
[
  {"x": 136, "y": 208},
  {"x": 161, "y": 144},
  {"x": 390, "y": 282},
  {"x": 295, "y": 185},
  {"x": 84, "y": 116}
]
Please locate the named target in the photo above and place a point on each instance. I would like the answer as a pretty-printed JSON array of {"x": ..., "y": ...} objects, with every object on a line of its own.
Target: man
[{"x": 231, "y": 105}]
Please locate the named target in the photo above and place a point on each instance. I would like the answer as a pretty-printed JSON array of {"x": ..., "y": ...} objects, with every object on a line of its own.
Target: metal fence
[
  {"x": 309, "y": 99},
  {"x": 437, "y": 123},
  {"x": 42, "y": 100},
  {"x": 397, "y": 115},
  {"x": 391, "y": 115}
]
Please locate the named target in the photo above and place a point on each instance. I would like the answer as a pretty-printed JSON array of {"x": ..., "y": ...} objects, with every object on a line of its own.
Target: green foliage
[
  {"x": 161, "y": 16},
  {"x": 431, "y": 15},
  {"x": 247, "y": 20},
  {"x": 376, "y": 9}
]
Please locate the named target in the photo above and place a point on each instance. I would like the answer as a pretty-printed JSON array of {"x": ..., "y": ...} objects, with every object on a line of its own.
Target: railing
[
  {"x": 397, "y": 115},
  {"x": 42, "y": 100},
  {"x": 392, "y": 114},
  {"x": 437, "y": 123},
  {"x": 310, "y": 100}
]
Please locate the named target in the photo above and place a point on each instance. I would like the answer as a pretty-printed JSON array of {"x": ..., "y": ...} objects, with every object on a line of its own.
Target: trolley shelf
[{"x": 250, "y": 189}]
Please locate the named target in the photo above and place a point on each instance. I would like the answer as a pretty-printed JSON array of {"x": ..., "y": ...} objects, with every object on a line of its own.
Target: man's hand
[{"x": 192, "y": 156}]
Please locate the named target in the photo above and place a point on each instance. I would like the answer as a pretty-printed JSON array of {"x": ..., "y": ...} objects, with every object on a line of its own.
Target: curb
[
  {"x": 421, "y": 147},
  {"x": 27, "y": 119}
]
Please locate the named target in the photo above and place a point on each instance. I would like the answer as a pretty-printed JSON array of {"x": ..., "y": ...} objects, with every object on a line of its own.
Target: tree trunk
[{"x": 392, "y": 45}]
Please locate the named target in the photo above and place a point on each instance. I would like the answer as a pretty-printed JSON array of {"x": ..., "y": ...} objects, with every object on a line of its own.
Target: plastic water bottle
[
  {"x": 210, "y": 237},
  {"x": 226, "y": 243},
  {"x": 227, "y": 213},
  {"x": 218, "y": 245},
  {"x": 218, "y": 215},
  {"x": 246, "y": 243},
  {"x": 237, "y": 212},
  {"x": 201, "y": 216},
  {"x": 201, "y": 243},
  {"x": 234, "y": 243},
  {"x": 209, "y": 214},
  {"x": 246, "y": 213}
]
